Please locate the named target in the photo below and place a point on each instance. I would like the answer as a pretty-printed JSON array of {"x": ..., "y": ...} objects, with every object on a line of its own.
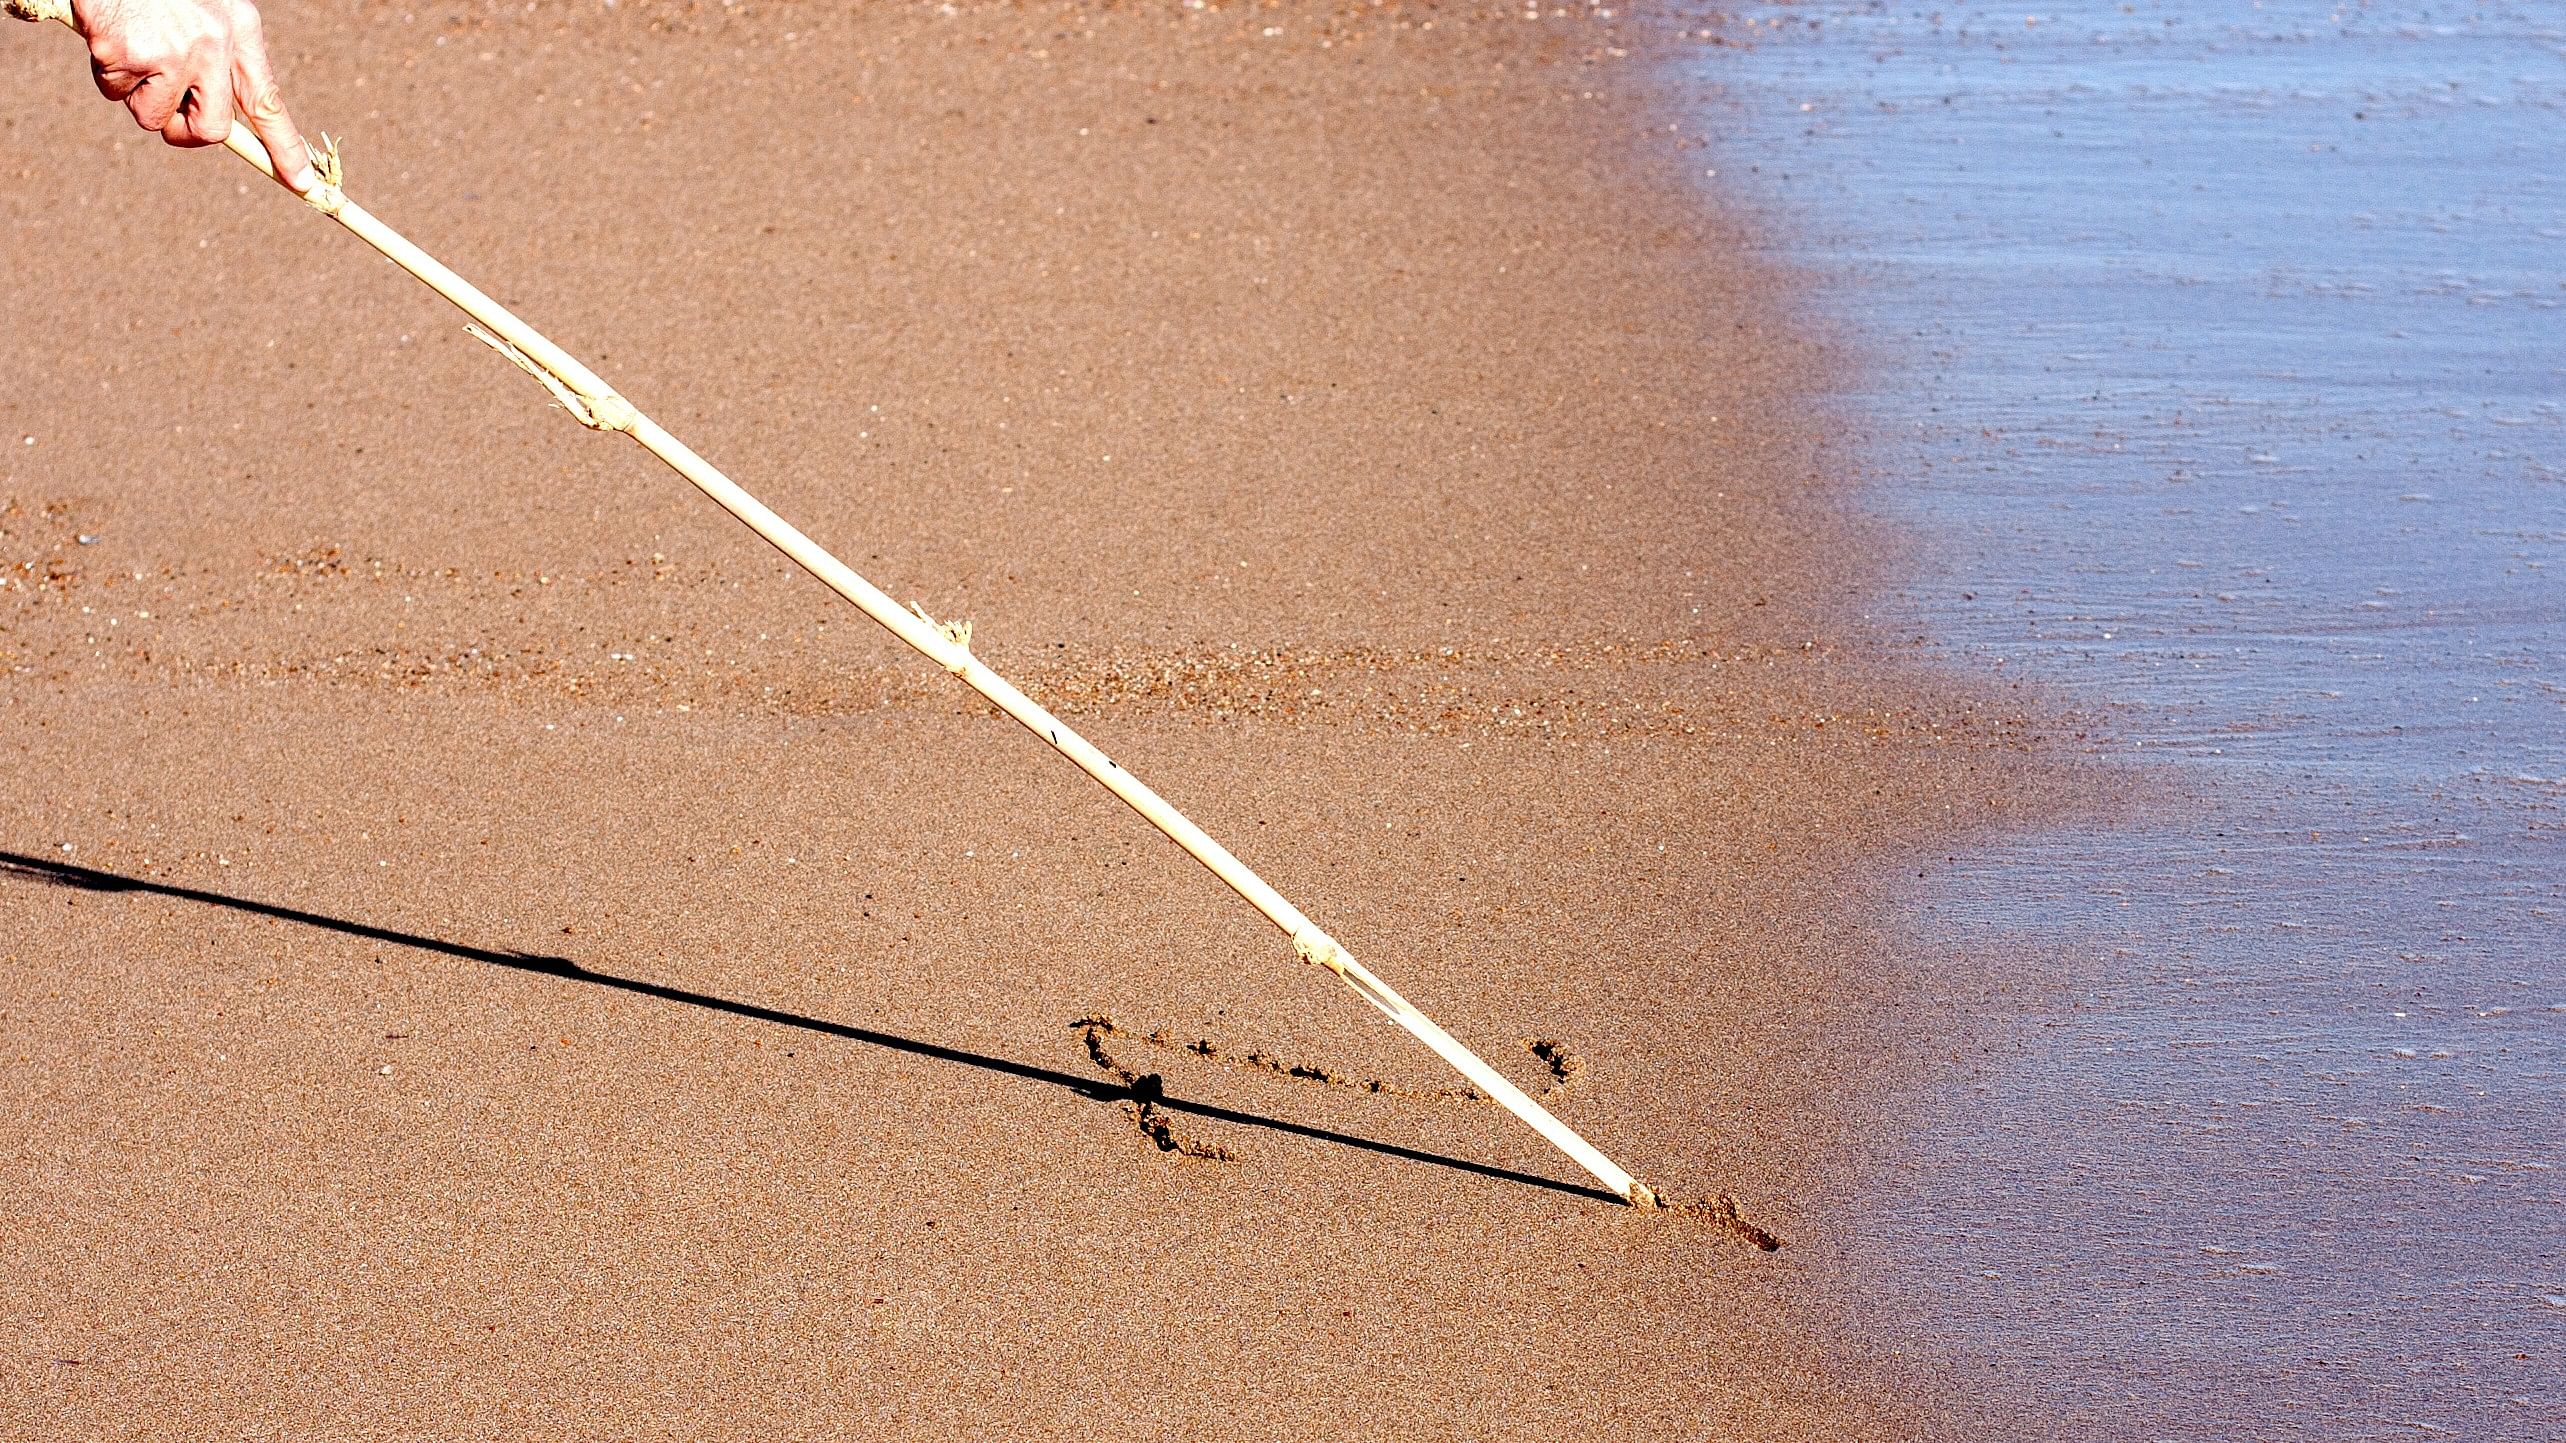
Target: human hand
[{"x": 188, "y": 68}]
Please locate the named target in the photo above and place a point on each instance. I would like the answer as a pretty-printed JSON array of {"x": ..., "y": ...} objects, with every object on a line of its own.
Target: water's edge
[{"x": 2220, "y": 360}]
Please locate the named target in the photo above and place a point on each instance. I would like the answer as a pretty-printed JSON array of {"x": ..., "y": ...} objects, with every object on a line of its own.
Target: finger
[
  {"x": 206, "y": 111},
  {"x": 262, "y": 107},
  {"x": 176, "y": 132},
  {"x": 188, "y": 125},
  {"x": 205, "y": 116},
  {"x": 111, "y": 64},
  {"x": 113, "y": 82},
  {"x": 155, "y": 100}
]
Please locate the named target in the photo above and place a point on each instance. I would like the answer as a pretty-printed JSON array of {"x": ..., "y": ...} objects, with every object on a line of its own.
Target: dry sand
[{"x": 587, "y": 981}]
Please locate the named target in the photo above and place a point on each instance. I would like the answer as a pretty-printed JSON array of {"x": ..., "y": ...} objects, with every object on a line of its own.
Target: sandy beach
[{"x": 489, "y": 950}]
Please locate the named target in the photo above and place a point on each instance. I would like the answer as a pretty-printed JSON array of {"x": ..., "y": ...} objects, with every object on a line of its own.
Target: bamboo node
[
  {"x": 957, "y": 634},
  {"x": 40, "y": 10},
  {"x": 1320, "y": 950},
  {"x": 328, "y": 197},
  {"x": 608, "y": 412}
]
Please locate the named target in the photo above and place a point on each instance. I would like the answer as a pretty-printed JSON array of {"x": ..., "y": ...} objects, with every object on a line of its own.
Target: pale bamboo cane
[{"x": 594, "y": 404}]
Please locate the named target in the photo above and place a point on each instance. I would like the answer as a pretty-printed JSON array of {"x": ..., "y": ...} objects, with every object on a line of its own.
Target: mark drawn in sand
[
  {"x": 1149, "y": 1115},
  {"x": 1148, "y": 1090},
  {"x": 1565, "y": 1067},
  {"x": 1721, "y": 1212},
  {"x": 1146, "y": 1094}
]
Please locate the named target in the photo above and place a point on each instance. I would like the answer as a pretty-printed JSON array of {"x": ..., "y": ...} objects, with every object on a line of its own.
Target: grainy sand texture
[{"x": 487, "y": 950}]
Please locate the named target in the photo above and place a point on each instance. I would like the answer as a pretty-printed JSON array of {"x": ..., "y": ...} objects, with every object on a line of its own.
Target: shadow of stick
[{"x": 89, "y": 879}]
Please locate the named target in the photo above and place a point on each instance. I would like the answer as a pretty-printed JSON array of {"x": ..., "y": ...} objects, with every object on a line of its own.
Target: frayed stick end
[
  {"x": 330, "y": 196},
  {"x": 37, "y": 10}
]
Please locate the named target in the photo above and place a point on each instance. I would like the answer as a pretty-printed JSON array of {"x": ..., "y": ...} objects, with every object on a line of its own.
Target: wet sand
[
  {"x": 2219, "y": 365},
  {"x": 485, "y": 949}
]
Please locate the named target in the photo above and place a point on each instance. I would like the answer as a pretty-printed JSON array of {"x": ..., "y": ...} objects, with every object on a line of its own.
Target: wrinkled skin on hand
[{"x": 188, "y": 69}]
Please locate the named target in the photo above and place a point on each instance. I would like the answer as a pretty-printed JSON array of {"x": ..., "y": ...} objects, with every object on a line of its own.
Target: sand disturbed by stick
[{"x": 1150, "y": 1115}]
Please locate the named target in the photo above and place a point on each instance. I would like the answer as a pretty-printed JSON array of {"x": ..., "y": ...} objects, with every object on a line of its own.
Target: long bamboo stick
[{"x": 596, "y": 405}]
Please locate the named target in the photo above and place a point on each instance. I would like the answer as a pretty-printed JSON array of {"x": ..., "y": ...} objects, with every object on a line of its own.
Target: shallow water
[{"x": 2221, "y": 359}]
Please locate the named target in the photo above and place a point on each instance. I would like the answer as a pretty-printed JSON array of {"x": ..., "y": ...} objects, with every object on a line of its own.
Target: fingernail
[{"x": 303, "y": 179}]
